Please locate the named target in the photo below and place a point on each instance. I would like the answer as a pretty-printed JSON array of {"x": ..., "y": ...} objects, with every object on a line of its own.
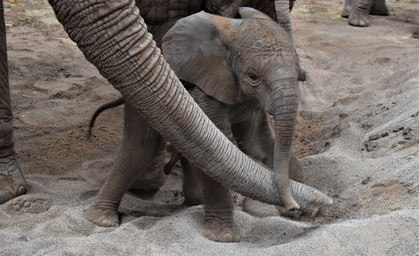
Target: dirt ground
[{"x": 357, "y": 134}]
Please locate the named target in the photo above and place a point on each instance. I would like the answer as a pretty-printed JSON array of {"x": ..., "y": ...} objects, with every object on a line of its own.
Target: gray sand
[{"x": 357, "y": 140}]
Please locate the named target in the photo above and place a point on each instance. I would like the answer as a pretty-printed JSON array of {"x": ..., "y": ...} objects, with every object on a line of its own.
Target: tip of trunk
[{"x": 309, "y": 198}]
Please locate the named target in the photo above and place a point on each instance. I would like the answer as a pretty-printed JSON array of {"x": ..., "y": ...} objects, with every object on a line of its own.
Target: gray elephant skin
[
  {"x": 101, "y": 29},
  {"x": 357, "y": 11},
  {"x": 114, "y": 37},
  {"x": 238, "y": 79},
  {"x": 242, "y": 69}
]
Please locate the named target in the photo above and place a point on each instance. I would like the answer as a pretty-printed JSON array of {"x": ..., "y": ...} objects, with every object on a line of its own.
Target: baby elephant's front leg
[
  {"x": 256, "y": 139},
  {"x": 217, "y": 199}
]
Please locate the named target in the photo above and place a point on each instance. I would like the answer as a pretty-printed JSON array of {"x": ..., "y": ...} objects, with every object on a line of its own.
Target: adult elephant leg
[
  {"x": 359, "y": 14},
  {"x": 283, "y": 17},
  {"x": 112, "y": 35},
  {"x": 379, "y": 7},
  {"x": 349, "y": 4},
  {"x": 12, "y": 183},
  {"x": 140, "y": 145},
  {"x": 282, "y": 8}
]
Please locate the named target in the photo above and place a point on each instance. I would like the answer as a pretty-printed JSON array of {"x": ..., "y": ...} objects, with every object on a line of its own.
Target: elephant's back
[{"x": 158, "y": 12}]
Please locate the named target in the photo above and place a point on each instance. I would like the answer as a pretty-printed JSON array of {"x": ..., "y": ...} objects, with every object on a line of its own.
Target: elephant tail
[{"x": 112, "y": 104}]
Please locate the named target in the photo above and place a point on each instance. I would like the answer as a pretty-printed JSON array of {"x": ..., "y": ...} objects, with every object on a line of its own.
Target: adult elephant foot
[
  {"x": 10, "y": 184},
  {"x": 104, "y": 217},
  {"x": 358, "y": 19},
  {"x": 379, "y": 7},
  {"x": 359, "y": 14},
  {"x": 220, "y": 231},
  {"x": 10, "y": 188}
]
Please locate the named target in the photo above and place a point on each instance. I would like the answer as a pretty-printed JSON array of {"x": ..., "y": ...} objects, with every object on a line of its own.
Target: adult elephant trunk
[
  {"x": 283, "y": 104},
  {"x": 282, "y": 8},
  {"x": 114, "y": 37}
]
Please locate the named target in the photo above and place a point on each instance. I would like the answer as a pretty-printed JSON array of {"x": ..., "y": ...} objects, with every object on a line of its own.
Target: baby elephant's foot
[
  {"x": 102, "y": 217},
  {"x": 220, "y": 231},
  {"x": 358, "y": 19},
  {"x": 311, "y": 212},
  {"x": 295, "y": 214},
  {"x": 259, "y": 209}
]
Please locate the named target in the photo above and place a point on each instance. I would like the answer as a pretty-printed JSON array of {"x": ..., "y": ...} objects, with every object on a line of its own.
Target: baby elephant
[
  {"x": 240, "y": 71},
  {"x": 243, "y": 69}
]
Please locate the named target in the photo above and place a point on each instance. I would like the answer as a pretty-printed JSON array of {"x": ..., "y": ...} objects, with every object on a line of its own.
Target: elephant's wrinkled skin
[
  {"x": 357, "y": 11},
  {"x": 236, "y": 108},
  {"x": 113, "y": 36},
  {"x": 243, "y": 68}
]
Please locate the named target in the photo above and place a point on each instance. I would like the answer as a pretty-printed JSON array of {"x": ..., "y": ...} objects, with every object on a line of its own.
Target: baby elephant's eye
[{"x": 253, "y": 77}]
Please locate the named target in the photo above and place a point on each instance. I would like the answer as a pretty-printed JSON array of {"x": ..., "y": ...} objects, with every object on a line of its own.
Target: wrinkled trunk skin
[
  {"x": 113, "y": 36},
  {"x": 282, "y": 8},
  {"x": 283, "y": 104}
]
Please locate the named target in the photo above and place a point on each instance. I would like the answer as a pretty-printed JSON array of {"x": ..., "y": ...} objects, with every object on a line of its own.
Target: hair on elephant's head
[{"x": 252, "y": 59}]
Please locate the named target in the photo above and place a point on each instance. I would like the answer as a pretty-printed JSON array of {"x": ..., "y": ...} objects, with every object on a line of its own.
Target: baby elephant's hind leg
[
  {"x": 191, "y": 190},
  {"x": 140, "y": 145}
]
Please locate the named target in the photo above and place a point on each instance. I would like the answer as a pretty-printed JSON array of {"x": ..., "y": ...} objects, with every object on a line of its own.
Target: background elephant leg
[
  {"x": 140, "y": 145},
  {"x": 255, "y": 138},
  {"x": 359, "y": 14},
  {"x": 379, "y": 7},
  {"x": 349, "y": 4},
  {"x": 11, "y": 178}
]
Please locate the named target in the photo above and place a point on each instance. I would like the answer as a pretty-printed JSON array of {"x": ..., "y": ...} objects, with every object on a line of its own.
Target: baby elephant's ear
[{"x": 197, "y": 53}]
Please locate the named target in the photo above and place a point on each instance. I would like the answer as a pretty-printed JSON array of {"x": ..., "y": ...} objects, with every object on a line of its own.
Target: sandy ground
[{"x": 357, "y": 139}]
